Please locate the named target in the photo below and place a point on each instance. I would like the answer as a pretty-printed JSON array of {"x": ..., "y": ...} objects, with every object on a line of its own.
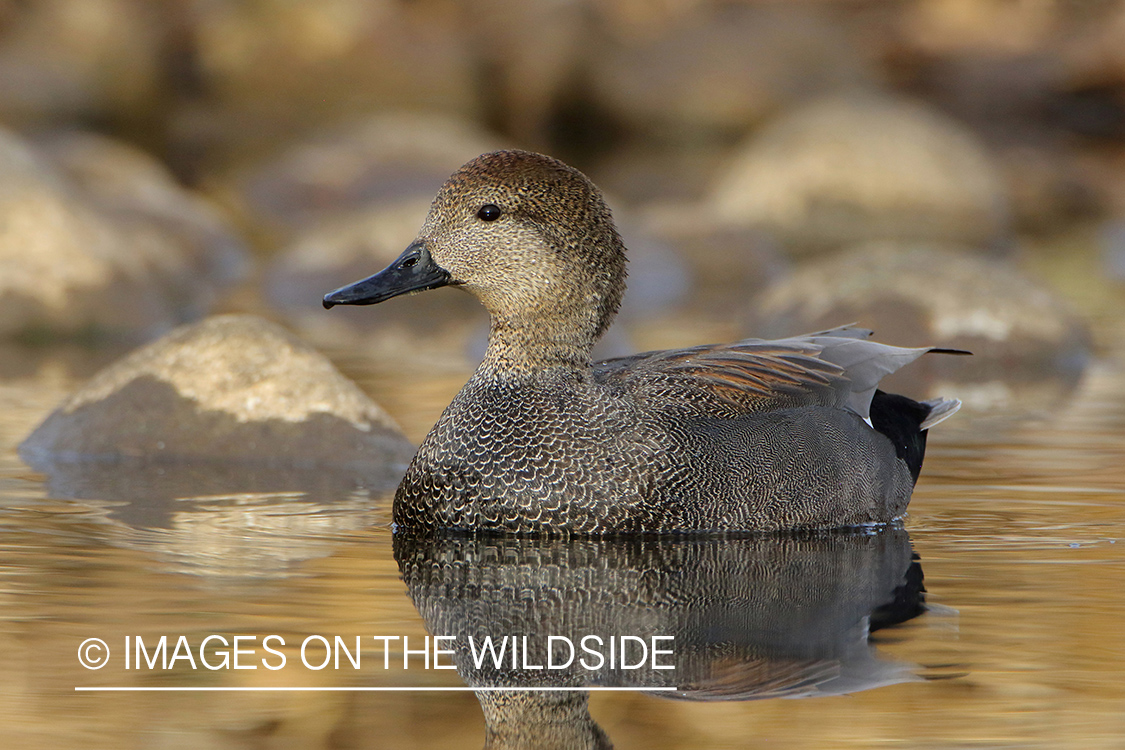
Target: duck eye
[{"x": 488, "y": 212}]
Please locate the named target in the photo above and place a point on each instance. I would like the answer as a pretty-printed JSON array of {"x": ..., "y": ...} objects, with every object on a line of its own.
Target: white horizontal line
[
  {"x": 1052, "y": 488},
  {"x": 129, "y": 689}
]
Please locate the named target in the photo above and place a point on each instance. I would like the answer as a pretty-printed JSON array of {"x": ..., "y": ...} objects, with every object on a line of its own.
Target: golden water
[{"x": 1019, "y": 525}]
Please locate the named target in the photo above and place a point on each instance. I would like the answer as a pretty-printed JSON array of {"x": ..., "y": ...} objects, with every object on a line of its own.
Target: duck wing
[{"x": 840, "y": 368}]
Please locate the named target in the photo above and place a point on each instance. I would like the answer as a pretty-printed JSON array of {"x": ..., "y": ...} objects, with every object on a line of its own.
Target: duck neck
[{"x": 519, "y": 346}]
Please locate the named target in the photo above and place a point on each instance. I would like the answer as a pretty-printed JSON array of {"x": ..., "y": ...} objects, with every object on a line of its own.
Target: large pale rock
[
  {"x": 106, "y": 253},
  {"x": 851, "y": 168},
  {"x": 231, "y": 389}
]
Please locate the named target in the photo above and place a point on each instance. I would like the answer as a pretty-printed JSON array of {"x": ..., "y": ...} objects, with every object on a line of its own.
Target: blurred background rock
[{"x": 243, "y": 156}]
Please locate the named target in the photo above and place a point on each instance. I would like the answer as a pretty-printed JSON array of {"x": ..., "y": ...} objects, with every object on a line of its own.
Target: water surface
[{"x": 1018, "y": 526}]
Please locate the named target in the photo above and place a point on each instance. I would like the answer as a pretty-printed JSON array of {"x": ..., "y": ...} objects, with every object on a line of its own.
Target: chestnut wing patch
[
  {"x": 839, "y": 368},
  {"x": 747, "y": 375}
]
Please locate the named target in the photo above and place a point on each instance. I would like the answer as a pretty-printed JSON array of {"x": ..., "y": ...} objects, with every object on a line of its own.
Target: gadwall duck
[{"x": 751, "y": 436}]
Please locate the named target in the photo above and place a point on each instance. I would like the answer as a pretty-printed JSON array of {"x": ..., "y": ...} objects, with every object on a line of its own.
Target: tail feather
[
  {"x": 867, "y": 362},
  {"x": 941, "y": 409}
]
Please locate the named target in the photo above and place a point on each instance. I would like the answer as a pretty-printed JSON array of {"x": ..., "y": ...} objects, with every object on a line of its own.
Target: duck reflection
[{"x": 736, "y": 618}]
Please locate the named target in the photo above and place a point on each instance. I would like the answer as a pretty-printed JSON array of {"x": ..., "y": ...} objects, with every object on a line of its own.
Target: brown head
[{"x": 533, "y": 240}]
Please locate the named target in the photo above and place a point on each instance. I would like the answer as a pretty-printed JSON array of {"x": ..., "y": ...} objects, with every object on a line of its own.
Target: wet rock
[
  {"x": 105, "y": 254},
  {"x": 920, "y": 294},
  {"x": 231, "y": 389},
  {"x": 851, "y": 168}
]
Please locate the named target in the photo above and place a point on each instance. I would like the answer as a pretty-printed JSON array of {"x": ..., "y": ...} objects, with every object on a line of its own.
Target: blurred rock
[
  {"x": 79, "y": 59},
  {"x": 728, "y": 265},
  {"x": 927, "y": 295},
  {"x": 345, "y": 204},
  {"x": 1094, "y": 51},
  {"x": 693, "y": 72},
  {"x": 231, "y": 389},
  {"x": 352, "y": 247},
  {"x": 955, "y": 26},
  {"x": 345, "y": 250},
  {"x": 108, "y": 253},
  {"x": 273, "y": 70},
  {"x": 1042, "y": 83},
  {"x": 659, "y": 277},
  {"x": 1094, "y": 61},
  {"x": 1112, "y": 237},
  {"x": 643, "y": 170},
  {"x": 528, "y": 63},
  {"x": 384, "y": 158},
  {"x": 847, "y": 169},
  {"x": 1049, "y": 189},
  {"x": 136, "y": 190}
]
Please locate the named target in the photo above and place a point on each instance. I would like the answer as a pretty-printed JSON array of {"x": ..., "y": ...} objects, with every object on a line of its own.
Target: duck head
[{"x": 532, "y": 239}]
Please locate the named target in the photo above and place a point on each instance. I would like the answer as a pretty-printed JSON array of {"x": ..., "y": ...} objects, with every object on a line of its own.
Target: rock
[
  {"x": 527, "y": 64},
  {"x": 728, "y": 265},
  {"x": 920, "y": 295},
  {"x": 851, "y": 168},
  {"x": 642, "y": 171},
  {"x": 79, "y": 263},
  {"x": 385, "y": 158},
  {"x": 274, "y": 70},
  {"x": 81, "y": 59},
  {"x": 659, "y": 277},
  {"x": 345, "y": 249},
  {"x": 231, "y": 389},
  {"x": 1112, "y": 236},
  {"x": 139, "y": 192},
  {"x": 695, "y": 72}
]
